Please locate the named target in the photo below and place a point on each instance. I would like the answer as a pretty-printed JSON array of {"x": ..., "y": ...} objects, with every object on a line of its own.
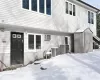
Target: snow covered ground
[{"x": 85, "y": 66}]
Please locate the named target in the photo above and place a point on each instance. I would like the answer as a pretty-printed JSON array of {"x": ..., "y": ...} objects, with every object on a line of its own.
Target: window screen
[
  {"x": 34, "y": 5},
  {"x": 26, "y": 4},
  {"x": 48, "y": 7},
  {"x": 89, "y": 21},
  {"x": 74, "y": 9},
  {"x": 92, "y": 18},
  {"x": 31, "y": 41},
  {"x": 70, "y": 8},
  {"x": 67, "y": 7},
  {"x": 41, "y": 6},
  {"x": 38, "y": 41}
]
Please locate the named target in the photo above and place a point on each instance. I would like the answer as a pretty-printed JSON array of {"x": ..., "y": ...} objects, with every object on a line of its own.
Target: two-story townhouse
[{"x": 28, "y": 28}]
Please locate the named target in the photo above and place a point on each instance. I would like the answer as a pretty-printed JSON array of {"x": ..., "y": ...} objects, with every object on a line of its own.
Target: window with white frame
[
  {"x": 48, "y": 7},
  {"x": 42, "y": 6},
  {"x": 67, "y": 7},
  {"x": 74, "y": 9},
  {"x": 38, "y": 41},
  {"x": 90, "y": 17},
  {"x": 34, "y": 41},
  {"x": 70, "y": 9},
  {"x": 31, "y": 41}
]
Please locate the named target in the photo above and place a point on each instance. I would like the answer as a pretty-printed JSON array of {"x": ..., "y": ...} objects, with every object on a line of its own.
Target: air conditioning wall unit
[{"x": 47, "y": 37}]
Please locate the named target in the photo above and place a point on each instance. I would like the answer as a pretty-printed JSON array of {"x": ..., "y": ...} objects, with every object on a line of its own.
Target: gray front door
[{"x": 17, "y": 48}]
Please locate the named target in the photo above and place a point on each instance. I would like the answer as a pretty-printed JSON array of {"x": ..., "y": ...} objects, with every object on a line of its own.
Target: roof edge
[{"x": 89, "y": 5}]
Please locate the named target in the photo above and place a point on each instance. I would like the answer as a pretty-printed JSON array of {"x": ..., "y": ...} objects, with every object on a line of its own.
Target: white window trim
[
  {"x": 69, "y": 8},
  {"x": 37, "y": 6},
  {"x": 34, "y": 42},
  {"x": 41, "y": 41},
  {"x": 90, "y": 17},
  {"x": 45, "y": 7},
  {"x": 72, "y": 8},
  {"x": 30, "y": 7}
]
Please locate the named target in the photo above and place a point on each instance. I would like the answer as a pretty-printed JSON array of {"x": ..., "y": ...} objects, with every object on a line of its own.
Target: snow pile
[
  {"x": 18, "y": 74},
  {"x": 75, "y": 66},
  {"x": 64, "y": 67}
]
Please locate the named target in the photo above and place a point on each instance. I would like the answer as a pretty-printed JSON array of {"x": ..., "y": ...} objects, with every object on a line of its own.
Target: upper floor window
[
  {"x": 48, "y": 7},
  {"x": 70, "y": 9},
  {"x": 74, "y": 10},
  {"x": 90, "y": 17},
  {"x": 41, "y": 6},
  {"x": 67, "y": 7},
  {"x": 34, "y": 5},
  {"x": 26, "y": 4}
]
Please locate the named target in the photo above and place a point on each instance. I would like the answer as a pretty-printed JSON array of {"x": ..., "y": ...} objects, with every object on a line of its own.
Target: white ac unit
[{"x": 47, "y": 37}]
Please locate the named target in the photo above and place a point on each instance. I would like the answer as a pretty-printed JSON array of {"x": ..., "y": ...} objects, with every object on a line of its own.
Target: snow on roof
[
  {"x": 82, "y": 29},
  {"x": 81, "y": 1}
]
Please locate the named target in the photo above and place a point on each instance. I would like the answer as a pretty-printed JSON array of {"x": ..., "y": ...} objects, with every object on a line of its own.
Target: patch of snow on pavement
[
  {"x": 18, "y": 74},
  {"x": 85, "y": 66}
]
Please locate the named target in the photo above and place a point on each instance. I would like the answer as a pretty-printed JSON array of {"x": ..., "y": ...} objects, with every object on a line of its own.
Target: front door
[
  {"x": 17, "y": 48},
  {"x": 66, "y": 44}
]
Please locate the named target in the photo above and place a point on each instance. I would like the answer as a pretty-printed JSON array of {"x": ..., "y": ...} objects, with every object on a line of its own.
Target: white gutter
[{"x": 16, "y": 28}]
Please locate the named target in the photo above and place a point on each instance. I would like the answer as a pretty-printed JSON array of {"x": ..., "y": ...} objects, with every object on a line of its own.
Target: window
[
  {"x": 41, "y": 6},
  {"x": 90, "y": 17},
  {"x": 74, "y": 10},
  {"x": 67, "y": 7},
  {"x": 34, "y": 41},
  {"x": 70, "y": 8},
  {"x": 48, "y": 7},
  {"x": 26, "y": 4},
  {"x": 44, "y": 5},
  {"x": 31, "y": 41},
  {"x": 34, "y": 5},
  {"x": 66, "y": 40},
  {"x": 38, "y": 41}
]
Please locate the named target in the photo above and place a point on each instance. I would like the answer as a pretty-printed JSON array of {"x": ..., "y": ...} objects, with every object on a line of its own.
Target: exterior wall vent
[{"x": 47, "y": 37}]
